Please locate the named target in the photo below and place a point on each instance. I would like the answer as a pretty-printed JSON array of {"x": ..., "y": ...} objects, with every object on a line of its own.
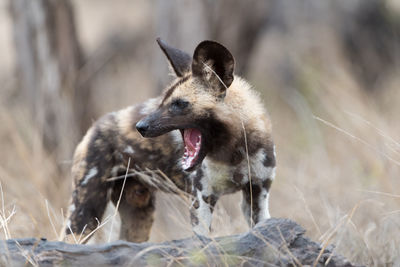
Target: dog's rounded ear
[
  {"x": 213, "y": 64},
  {"x": 179, "y": 60}
]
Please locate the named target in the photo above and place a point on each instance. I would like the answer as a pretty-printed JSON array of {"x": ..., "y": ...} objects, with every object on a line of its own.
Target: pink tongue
[{"x": 191, "y": 137}]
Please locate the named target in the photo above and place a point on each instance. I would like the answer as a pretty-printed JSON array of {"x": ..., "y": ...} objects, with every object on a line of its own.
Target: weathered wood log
[{"x": 275, "y": 242}]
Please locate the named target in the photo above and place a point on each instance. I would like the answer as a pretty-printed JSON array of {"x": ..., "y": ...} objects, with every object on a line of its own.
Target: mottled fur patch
[{"x": 236, "y": 153}]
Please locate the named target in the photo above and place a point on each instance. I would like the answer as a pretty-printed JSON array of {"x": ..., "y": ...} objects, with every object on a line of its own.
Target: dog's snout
[{"x": 142, "y": 127}]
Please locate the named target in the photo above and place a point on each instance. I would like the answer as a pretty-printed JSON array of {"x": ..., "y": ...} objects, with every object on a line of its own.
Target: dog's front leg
[
  {"x": 255, "y": 201},
  {"x": 201, "y": 212}
]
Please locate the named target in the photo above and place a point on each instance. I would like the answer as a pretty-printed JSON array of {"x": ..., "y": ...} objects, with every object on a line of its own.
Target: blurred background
[{"x": 328, "y": 72}]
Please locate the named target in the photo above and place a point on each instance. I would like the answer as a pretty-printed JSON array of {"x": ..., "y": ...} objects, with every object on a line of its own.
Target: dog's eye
[{"x": 179, "y": 104}]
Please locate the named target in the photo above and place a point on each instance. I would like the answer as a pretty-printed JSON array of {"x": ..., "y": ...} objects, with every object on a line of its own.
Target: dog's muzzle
[{"x": 142, "y": 127}]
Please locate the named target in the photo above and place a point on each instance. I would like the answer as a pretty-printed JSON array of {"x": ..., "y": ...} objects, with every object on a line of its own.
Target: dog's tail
[{"x": 93, "y": 161}]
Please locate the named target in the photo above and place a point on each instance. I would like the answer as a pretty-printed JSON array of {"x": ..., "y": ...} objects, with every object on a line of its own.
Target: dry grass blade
[
  {"x": 83, "y": 230},
  {"x": 308, "y": 209},
  {"x": 99, "y": 226},
  {"x": 27, "y": 255},
  {"x": 288, "y": 250},
  {"x": 358, "y": 139},
  {"x": 119, "y": 200},
  {"x": 4, "y": 223},
  {"x": 381, "y": 193},
  {"x": 249, "y": 171},
  {"x": 49, "y": 216},
  {"x": 219, "y": 78},
  {"x": 4, "y": 219},
  {"x": 145, "y": 251},
  {"x": 262, "y": 238},
  {"x": 155, "y": 179},
  {"x": 379, "y": 131},
  {"x": 330, "y": 236},
  {"x": 72, "y": 233}
]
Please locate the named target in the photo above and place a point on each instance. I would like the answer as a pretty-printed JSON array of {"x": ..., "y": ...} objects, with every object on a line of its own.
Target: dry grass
[{"x": 338, "y": 150}]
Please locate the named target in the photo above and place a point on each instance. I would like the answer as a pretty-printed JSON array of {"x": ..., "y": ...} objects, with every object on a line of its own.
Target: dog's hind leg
[
  {"x": 136, "y": 207},
  {"x": 93, "y": 162}
]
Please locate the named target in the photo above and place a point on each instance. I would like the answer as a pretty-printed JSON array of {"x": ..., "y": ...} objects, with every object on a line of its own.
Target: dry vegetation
[{"x": 338, "y": 141}]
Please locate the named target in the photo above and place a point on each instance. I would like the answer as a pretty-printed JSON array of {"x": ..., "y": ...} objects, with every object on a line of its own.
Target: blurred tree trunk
[
  {"x": 234, "y": 23},
  {"x": 183, "y": 25},
  {"x": 238, "y": 24},
  {"x": 48, "y": 62}
]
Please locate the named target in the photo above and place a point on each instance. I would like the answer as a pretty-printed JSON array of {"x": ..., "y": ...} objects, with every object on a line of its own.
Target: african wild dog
[{"x": 208, "y": 132}]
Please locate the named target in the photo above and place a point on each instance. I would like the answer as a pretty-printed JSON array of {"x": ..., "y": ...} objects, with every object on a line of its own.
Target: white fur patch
[
  {"x": 92, "y": 172},
  {"x": 257, "y": 166},
  {"x": 71, "y": 208},
  {"x": 68, "y": 224},
  {"x": 177, "y": 143},
  {"x": 273, "y": 173},
  {"x": 129, "y": 150},
  {"x": 204, "y": 215},
  {"x": 263, "y": 205},
  {"x": 176, "y": 137}
]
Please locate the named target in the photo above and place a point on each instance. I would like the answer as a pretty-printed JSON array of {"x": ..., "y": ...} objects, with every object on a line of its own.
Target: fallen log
[{"x": 275, "y": 242}]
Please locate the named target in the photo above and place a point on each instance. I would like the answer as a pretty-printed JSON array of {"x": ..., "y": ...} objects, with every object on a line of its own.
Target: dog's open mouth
[{"x": 192, "y": 140}]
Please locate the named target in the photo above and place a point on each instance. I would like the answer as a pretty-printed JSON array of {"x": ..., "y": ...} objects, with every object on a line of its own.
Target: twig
[{"x": 249, "y": 170}]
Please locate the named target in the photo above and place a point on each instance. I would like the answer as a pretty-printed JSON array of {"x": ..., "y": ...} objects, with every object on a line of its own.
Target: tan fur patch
[{"x": 241, "y": 104}]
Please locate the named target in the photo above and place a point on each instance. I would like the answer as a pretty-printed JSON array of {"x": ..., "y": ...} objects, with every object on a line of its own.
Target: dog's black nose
[{"x": 142, "y": 127}]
